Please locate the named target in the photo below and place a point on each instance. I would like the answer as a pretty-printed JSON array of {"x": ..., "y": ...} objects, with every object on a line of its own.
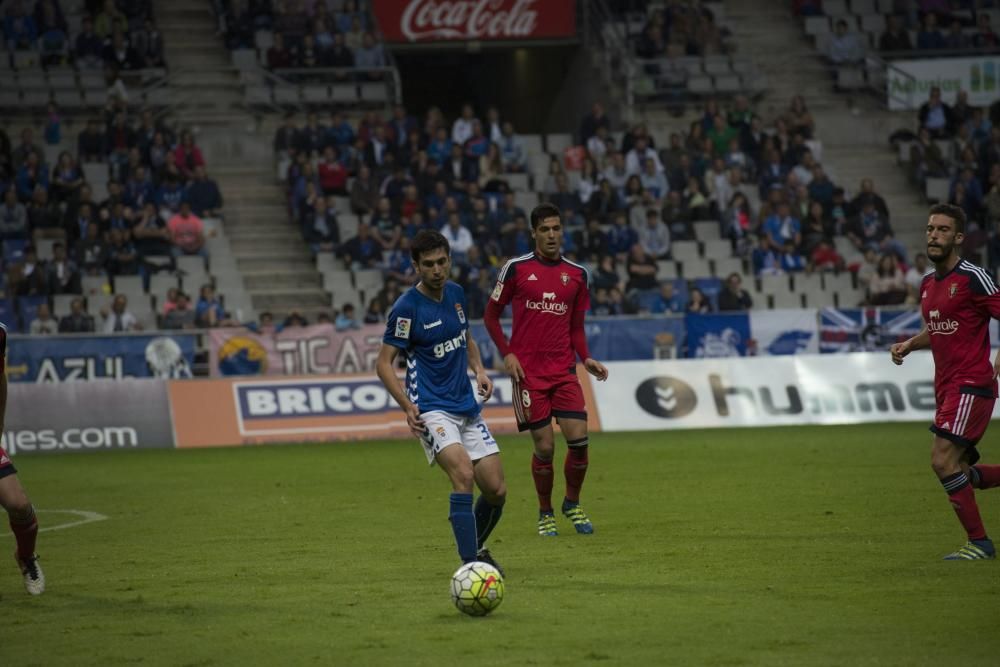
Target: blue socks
[
  {"x": 463, "y": 524},
  {"x": 487, "y": 517}
]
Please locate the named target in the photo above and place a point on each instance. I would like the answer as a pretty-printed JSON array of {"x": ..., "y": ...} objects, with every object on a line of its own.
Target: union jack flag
[{"x": 865, "y": 329}]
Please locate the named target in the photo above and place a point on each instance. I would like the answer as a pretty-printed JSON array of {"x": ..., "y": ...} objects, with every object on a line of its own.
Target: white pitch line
[{"x": 85, "y": 517}]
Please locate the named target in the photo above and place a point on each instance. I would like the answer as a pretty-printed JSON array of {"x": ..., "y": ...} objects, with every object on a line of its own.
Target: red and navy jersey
[
  {"x": 3, "y": 348},
  {"x": 957, "y": 308},
  {"x": 544, "y": 295}
]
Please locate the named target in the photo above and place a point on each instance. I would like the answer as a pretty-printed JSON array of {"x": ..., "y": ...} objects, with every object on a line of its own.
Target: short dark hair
[
  {"x": 950, "y": 211},
  {"x": 544, "y": 212},
  {"x": 428, "y": 240}
]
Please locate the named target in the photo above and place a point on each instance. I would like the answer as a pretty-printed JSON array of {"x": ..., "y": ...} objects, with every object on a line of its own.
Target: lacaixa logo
[{"x": 666, "y": 397}]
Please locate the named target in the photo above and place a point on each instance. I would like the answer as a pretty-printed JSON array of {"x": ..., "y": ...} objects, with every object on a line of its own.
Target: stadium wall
[{"x": 639, "y": 395}]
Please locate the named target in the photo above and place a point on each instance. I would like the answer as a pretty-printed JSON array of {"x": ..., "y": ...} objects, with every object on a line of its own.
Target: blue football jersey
[{"x": 434, "y": 337}]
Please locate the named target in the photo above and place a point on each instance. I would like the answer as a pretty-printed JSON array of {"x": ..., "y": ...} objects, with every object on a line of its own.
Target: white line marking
[{"x": 85, "y": 517}]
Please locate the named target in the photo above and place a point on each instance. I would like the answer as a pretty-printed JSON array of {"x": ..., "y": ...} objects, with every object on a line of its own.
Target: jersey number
[{"x": 487, "y": 436}]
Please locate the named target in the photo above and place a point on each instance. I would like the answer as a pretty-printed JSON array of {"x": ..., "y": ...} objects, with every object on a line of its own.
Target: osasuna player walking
[
  {"x": 14, "y": 500},
  {"x": 429, "y": 326},
  {"x": 957, "y": 301},
  {"x": 550, "y": 297}
]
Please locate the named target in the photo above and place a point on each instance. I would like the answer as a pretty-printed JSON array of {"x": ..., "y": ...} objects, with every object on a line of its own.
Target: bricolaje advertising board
[
  {"x": 87, "y": 416},
  {"x": 311, "y": 408},
  {"x": 766, "y": 391}
]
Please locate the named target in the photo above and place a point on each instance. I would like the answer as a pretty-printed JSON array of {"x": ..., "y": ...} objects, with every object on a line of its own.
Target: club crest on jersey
[
  {"x": 460, "y": 313},
  {"x": 403, "y": 327},
  {"x": 952, "y": 289},
  {"x": 564, "y": 277}
]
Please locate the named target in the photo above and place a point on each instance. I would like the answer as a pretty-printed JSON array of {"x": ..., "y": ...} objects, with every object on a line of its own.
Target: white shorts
[{"x": 445, "y": 428}]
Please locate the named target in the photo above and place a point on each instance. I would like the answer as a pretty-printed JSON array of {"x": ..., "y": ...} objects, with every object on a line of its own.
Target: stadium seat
[
  {"x": 191, "y": 264},
  {"x": 696, "y": 267},
  {"x": 805, "y": 282},
  {"x": 850, "y": 78},
  {"x": 342, "y": 92},
  {"x": 532, "y": 143},
  {"x": 373, "y": 92},
  {"x": 369, "y": 279},
  {"x": 684, "y": 250},
  {"x": 937, "y": 189},
  {"x": 335, "y": 280},
  {"x": 159, "y": 284},
  {"x": 728, "y": 265},
  {"x": 666, "y": 268},
  {"x": 557, "y": 143},
  {"x": 61, "y": 304},
  {"x": 786, "y": 300},
  {"x": 717, "y": 65},
  {"x": 774, "y": 284},
  {"x": 700, "y": 85},
  {"x": 315, "y": 94},
  {"x": 285, "y": 94},
  {"x": 849, "y": 298},
  {"x": 244, "y": 59},
  {"x": 706, "y": 230},
  {"x": 718, "y": 248},
  {"x": 837, "y": 8},
  {"x": 874, "y": 23},
  {"x": 863, "y": 7},
  {"x": 837, "y": 282},
  {"x": 817, "y": 25}
]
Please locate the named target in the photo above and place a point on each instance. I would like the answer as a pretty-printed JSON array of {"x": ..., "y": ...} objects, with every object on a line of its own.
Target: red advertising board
[{"x": 413, "y": 21}]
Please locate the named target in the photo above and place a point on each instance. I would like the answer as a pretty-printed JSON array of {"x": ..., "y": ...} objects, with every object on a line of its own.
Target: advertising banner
[
  {"x": 75, "y": 416},
  {"x": 717, "y": 335},
  {"x": 865, "y": 329},
  {"x": 761, "y": 391},
  {"x": 420, "y": 21},
  {"x": 909, "y": 82},
  {"x": 231, "y": 411},
  {"x": 294, "y": 351},
  {"x": 791, "y": 331},
  {"x": 71, "y": 358}
]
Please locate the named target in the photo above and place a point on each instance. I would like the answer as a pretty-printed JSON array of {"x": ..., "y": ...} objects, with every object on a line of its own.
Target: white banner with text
[
  {"x": 765, "y": 391},
  {"x": 908, "y": 82}
]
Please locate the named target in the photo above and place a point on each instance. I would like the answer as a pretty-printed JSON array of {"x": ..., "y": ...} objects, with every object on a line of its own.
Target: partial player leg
[
  {"x": 946, "y": 457},
  {"x": 24, "y": 525},
  {"x": 455, "y": 462},
  {"x": 542, "y": 473},
  {"x": 575, "y": 470},
  {"x": 489, "y": 508},
  {"x": 984, "y": 476}
]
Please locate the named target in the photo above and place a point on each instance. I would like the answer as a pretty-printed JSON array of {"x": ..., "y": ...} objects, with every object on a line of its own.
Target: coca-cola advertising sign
[{"x": 474, "y": 20}]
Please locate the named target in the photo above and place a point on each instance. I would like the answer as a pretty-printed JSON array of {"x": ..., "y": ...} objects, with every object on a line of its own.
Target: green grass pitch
[{"x": 790, "y": 546}]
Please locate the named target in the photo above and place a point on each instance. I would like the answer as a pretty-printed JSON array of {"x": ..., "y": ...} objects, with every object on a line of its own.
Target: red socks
[
  {"x": 575, "y": 470},
  {"x": 963, "y": 500},
  {"x": 25, "y": 534},
  {"x": 986, "y": 477},
  {"x": 541, "y": 472}
]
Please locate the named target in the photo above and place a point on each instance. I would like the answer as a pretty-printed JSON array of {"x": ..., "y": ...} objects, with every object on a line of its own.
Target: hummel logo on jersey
[
  {"x": 532, "y": 277},
  {"x": 436, "y": 323}
]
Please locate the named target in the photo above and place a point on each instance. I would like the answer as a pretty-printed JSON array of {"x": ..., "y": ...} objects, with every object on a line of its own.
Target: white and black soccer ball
[{"x": 477, "y": 588}]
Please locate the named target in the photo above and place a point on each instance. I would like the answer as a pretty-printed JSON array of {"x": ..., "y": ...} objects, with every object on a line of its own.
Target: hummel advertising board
[{"x": 766, "y": 391}]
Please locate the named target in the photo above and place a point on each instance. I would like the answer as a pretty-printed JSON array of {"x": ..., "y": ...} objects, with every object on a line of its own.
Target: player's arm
[
  {"x": 919, "y": 342},
  {"x": 3, "y": 400},
  {"x": 501, "y": 296},
  {"x": 483, "y": 381},
  {"x": 578, "y": 335},
  {"x": 385, "y": 368}
]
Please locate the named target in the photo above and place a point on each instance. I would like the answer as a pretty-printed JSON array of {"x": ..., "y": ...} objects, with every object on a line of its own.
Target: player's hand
[
  {"x": 996, "y": 366},
  {"x": 900, "y": 350},
  {"x": 513, "y": 367},
  {"x": 485, "y": 385},
  {"x": 414, "y": 421},
  {"x": 596, "y": 368}
]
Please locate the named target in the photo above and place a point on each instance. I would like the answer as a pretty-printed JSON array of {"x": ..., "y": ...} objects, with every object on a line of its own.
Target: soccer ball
[{"x": 477, "y": 588}]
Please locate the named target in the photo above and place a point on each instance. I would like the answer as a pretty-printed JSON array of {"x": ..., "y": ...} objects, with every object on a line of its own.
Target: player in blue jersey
[{"x": 429, "y": 326}]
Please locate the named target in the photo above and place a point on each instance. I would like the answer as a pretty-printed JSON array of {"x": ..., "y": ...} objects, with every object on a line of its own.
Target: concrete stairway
[{"x": 277, "y": 267}]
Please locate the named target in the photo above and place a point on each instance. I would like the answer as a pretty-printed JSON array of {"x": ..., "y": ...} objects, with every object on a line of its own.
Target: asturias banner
[
  {"x": 414, "y": 21},
  {"x": 71, "y": 358}
]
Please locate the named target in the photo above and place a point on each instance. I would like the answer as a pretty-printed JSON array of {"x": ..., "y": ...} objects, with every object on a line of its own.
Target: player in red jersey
[
  {"x": 957, "y": 301},
  {"x": 550, "y": 297},
  {"x": 14, "y": 500}
]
